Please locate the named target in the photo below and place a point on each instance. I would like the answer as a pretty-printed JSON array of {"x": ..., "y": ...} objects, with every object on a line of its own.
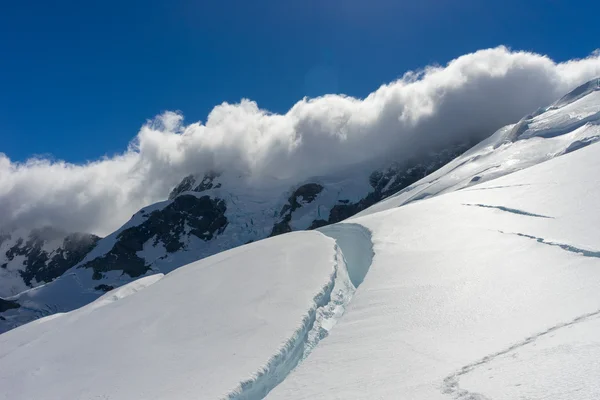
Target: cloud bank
[{"x": 472, "y": 95}]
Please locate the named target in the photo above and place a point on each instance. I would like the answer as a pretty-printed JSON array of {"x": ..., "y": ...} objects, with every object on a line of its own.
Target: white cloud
[{"x": 471, "y": 96}]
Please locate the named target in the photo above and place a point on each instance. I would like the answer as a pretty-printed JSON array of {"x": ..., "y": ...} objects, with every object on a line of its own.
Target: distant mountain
[
  {"x": 210, "y": 213},
  {"x": 40, "y": 256}
]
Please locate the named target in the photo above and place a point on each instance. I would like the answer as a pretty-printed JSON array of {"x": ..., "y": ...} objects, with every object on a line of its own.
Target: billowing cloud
[{"x": 471, "y": 96}]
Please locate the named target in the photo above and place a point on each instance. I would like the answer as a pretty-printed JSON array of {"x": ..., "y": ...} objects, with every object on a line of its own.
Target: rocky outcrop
[
  {"x": 188, "y": 184},
  {"x": 389, "y": 181},
  {"x": 305, "y": 194},
  {"x": 6, "y": 305},
  {"x": 104, "y": 288},
  {"x": 41, "y": 265},
  {"x": 202, "y": 217}
]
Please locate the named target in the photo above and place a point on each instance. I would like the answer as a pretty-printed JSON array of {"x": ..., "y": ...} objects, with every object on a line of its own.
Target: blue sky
[{"x": 78, "y": 79}]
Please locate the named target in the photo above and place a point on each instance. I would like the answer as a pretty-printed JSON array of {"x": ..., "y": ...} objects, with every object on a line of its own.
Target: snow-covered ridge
[
  {"x": 354, "y": 254},
  {"x": 569, "y": 124}
]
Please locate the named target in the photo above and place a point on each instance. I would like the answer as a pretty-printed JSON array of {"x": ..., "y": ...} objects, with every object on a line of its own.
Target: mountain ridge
[{"x": 204, "y": 216}]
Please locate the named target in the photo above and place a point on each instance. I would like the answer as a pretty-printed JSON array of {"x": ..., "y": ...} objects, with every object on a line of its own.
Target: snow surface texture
[
  {"x": 229, "y": 326},
  {"x": 466, "y": 302}
]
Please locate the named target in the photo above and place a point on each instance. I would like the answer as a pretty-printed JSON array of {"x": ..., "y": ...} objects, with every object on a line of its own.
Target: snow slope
[
  {"x": 569, "y": 124},
  {"x": 484, "y": 293},
  {"x": 222, "y": 327}
]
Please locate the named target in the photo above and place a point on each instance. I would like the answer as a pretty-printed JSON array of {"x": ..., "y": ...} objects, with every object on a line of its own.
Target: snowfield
[
  {"x": 485, "y": 293},
  {"x": 218, "y": 328},
  {"x": 478, "y": 282}
]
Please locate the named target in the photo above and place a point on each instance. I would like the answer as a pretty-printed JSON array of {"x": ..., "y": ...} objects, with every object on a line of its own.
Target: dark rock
[
  {"x": 46, "y": 267},
  {"x": 204, "y": 215},
  {"x": 307, "y": 193},
  {"x": 390, "y": 181},
  {"x": 188, "y": 184},
  {"x": 104, "y": 288},
  {"x": 6, "y": 305}
]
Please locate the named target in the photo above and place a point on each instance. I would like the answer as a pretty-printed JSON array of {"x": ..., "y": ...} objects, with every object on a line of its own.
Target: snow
[
  {"x": 569, "y": 124},
  {"x": 456, "y": 295},
  {"x": 215, "y": 328}
]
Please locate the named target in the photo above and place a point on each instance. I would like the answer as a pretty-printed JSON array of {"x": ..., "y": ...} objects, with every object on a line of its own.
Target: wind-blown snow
[{"x": 470, "y": 97}]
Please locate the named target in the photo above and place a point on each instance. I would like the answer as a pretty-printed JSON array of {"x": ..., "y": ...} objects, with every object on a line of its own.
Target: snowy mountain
[
  {"x": 203, "y": 216},
  {"x": 458, "y": 287},
  {"x": 29, "y": 259}
]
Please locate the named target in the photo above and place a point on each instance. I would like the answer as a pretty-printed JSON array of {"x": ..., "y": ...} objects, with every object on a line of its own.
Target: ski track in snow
[
  {"x": 566, "y": 247},
  {"x": 507, "y": 209},
  {"x": 354, "y": 255},
  {"x": 450, "y": 385}
]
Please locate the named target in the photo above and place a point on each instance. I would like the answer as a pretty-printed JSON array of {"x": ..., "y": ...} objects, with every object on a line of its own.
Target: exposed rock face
[
  {"x": 388, "y": 182},
  {"x": 303, "y": 195},
  {"x": 40, "y": 261},
  {"x": 6, "y": 305},
  {"x": 104, "y": 288},
  {"x": 188, "y": 184},
  {"x": 202, "y": 217}
]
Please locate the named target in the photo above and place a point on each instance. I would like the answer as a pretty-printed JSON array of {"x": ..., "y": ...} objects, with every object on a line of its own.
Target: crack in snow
[
  {"x": 510, "y": 210},
  {"x": 566, "y": 247},
  {"x": 495, "y": 187},
  {"x": 354, "y": 254},
  {"x": 450, "y": 385}
]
